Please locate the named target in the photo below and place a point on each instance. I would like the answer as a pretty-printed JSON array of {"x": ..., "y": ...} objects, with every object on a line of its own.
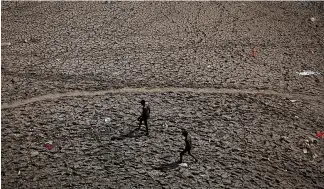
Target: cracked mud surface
[
  {"x": 246, "y": 131},
  {"x": 237, "y": 138},
  {"x": 95, "y": 46}
]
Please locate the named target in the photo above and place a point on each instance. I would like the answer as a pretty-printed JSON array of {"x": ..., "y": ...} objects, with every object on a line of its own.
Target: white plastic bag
[{"x": 308, "y": 72}]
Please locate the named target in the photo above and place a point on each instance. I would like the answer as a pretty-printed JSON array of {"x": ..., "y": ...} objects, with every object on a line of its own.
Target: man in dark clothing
[
  {"x": 188, "y": 145},
  {"x": 145, "y": 115}
]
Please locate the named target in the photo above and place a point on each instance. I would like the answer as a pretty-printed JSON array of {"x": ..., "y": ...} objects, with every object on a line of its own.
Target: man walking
[
  {"x": 188, "y": 145},
  {"x": 145, "y": 115}
]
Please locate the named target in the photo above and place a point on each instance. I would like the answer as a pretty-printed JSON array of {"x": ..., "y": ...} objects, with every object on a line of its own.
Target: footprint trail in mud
[{"x": 156, "y": 90}]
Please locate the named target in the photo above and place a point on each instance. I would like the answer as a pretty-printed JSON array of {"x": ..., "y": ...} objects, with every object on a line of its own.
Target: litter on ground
[
  {"x": 320, "y": 134},
  {"x": 48, "y": 146},
  {"x": 5, "y": 44},
  {"x": 308, "y": 72},
  {"x": 183, "y": 164},
  {"x": 107, "y": 120}
]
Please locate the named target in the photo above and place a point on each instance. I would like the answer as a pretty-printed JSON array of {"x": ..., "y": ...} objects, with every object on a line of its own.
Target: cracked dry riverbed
[{"x": 71, "y": 65}]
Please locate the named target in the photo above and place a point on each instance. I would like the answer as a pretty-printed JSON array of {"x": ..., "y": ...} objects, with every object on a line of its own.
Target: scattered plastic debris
[
  {"x": 308, "y": 72},
  {"x": 107, "y": 120},
  {"x": 19, "y": 172},
  {"x": 312, "y": 141},
  {"x": 320, "y": 134},
  {"x": 293, "y": 100},
  {"x": 297, "y": 117},
  {"x": 208, "y": 66},
  {"x": 5, "y": 44},
  {"x": 313, "y": 19},
  {"x": 183, "y": 164},
  {"x": 49, "y": 142},
  {"x": 49, "y": 145},
  {"x": 305, "y": 151},
  {"x": 34, "y": 153},
  {"x": 308, "y": 145}
]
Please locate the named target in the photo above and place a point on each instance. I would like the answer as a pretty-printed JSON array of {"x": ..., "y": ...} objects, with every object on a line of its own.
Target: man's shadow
[
  {"x": 168, "y": 166},
  {"x": 134, "y": 133}
]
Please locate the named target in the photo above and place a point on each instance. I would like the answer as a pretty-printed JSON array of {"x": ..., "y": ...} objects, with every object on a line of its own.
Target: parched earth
[{"x": 253, "y": 119}]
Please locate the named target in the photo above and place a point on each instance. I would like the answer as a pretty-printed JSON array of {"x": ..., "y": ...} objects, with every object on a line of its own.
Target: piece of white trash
[
  {"x": 313, "y": 19},
  {"x": 49, "y": 142},
  {"x": 5, "y": 44},
  {"x": 293, "y": 100},
  {"x": 308, "y": 72},
  {"x": 183, "y": 164},
  {"x": 107, "y": 120},
  {"x": 305, "y": 151}
]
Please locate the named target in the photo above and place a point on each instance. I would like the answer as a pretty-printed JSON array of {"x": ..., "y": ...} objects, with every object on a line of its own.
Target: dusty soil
[{"x": 68, "y": 64}]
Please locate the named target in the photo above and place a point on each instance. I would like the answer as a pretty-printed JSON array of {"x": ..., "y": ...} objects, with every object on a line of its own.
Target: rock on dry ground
[{"x": 241, "y": 140}]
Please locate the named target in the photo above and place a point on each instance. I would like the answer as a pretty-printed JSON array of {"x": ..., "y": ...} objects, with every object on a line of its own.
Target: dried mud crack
[{"x": 237, "y": 138}]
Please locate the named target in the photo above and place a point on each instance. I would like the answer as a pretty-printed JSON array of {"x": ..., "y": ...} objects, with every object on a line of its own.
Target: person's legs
[
  {"x": 192, "y": 155},
  {"x": 145, "y": 123},
  {"x": 181, "y": 154},
  {"x": 140, "y": 123}
]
